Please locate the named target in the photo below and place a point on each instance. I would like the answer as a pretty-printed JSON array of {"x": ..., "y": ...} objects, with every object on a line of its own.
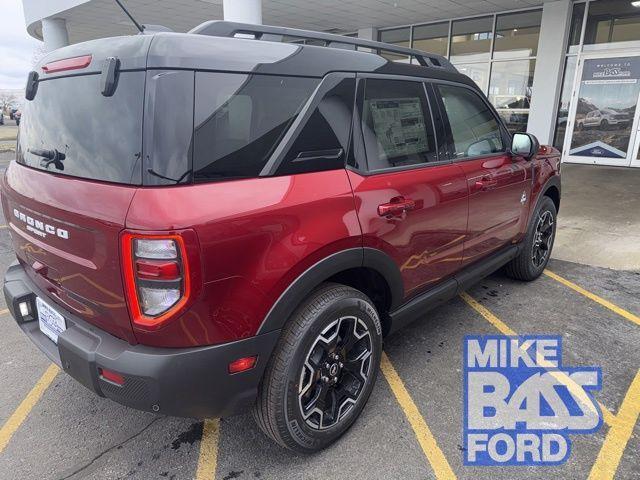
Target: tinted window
[
  {"x": 612, "y": 21},
  {"x": 168, "y": 127},
  {"x": 95, "y": 137},
  {"x": 399, "y": 37},
  {"x": 575, "y": 31},
  {"x": 396, "y": 124},
  {"x": 432, "y": 38},
  {"x": 471, "y": 39},
  {"x": 239, "y": 120},
  {"x": 517, "y": 34},
  {"x": 474, "y": 128},
  {"x": 323, "y": 142}
]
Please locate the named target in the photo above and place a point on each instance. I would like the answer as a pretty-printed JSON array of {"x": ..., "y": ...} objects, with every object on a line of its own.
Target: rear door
[
  {"x": 499, "y": 184},
  {"x": 78, "y": 165},
  {"x": 411, "y": 203}
]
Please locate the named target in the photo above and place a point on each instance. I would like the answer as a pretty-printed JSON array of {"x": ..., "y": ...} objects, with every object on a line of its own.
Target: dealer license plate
[{"x": 51, "y": 322}]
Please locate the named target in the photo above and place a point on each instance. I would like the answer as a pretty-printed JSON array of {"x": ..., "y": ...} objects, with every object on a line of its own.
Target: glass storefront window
[
  {"x": 510, "y": 92},
  {"x": 471, "y": 39},
  {"x": 612, "y": 21},
  {"x": 478, "y": 72},
  {"x": 575, "y": 30},
  {"x": 607, "y": 102},
  {"x": 517, "y": 35},
  {"x": 565, "y": 102},
  {"x": 397, "y": 36},
  {"x": 432, "y": 38}
]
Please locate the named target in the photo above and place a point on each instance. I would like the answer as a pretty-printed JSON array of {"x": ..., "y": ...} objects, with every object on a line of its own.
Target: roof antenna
[{"x": 138, "y": 26}]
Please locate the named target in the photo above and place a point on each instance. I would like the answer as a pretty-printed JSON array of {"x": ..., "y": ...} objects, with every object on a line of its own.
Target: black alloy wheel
[{"x": 335, "y": 372}]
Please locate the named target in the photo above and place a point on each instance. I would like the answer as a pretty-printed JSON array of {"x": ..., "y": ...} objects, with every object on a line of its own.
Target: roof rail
[{"x": 220, "y": 28}]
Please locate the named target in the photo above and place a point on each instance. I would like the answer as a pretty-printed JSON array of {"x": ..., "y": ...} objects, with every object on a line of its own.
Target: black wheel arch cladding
[{"x": 326, "y": 268}]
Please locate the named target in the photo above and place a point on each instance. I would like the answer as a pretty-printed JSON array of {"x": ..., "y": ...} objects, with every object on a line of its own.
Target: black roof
[{"x": 166, "y": 50}]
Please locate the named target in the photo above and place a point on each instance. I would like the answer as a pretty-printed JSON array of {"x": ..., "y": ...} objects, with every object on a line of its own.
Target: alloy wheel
[
  {"x": 543, "y": 239},
  {"x": 335, "y": 372}
]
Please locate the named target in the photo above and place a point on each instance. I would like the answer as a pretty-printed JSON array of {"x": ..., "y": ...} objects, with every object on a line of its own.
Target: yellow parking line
[
  {"x": 575, "y": 389},
  {"x": 3, "y": 311},
  {"x": 208, "y": 459},
  {"x": 618, "y": 436},
  {"x": 21, "y": 413},
  {"x": 620, "y": 426},
  {"x": 614, "y": 308},
  {"x": 436, "y": 458}
]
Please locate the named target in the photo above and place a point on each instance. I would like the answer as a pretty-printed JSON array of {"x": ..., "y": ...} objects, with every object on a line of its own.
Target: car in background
[
  {"x": 12, "y": 112},
  {"x": 17, "y": 115},
  {"x": 514, "y": 110},
  {"x": 1, "y": 118},
  {"x": 603, "y": 119}
]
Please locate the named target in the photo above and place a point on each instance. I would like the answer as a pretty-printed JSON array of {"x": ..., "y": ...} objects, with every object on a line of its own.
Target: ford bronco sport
[{"x": 236, "y": 217}]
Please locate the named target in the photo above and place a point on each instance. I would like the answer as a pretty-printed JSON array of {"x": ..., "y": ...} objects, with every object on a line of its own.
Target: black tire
[
  {"x": 290, "y": 380},
  {"x": 527, "y": 266},
  {"x": 604, "y": 125}
]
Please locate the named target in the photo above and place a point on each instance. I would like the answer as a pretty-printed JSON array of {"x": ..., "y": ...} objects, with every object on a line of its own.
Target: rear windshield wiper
[{"x": 49, "y": 157}]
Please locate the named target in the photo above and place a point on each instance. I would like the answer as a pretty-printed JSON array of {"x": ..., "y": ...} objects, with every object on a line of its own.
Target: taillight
[{"x": 156, "y": 275}]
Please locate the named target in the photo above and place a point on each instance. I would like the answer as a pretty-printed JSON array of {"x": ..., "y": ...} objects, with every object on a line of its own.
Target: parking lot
[{"x": 52, "y": 428}]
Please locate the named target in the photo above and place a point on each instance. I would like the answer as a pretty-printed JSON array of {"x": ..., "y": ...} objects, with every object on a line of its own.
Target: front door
[
  {"x": 499, "y": 184},
  {"x": 604, "y": 129}
]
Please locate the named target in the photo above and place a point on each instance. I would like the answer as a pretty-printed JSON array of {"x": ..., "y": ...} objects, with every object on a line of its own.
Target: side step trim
[{"x": 445, "y": 291}]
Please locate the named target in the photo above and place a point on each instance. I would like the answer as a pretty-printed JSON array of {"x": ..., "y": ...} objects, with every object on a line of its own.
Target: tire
[
  {"x": 300, "y": 372},
  {"x": 604, "y": 125},
  {"x": 529, "y": 265}
]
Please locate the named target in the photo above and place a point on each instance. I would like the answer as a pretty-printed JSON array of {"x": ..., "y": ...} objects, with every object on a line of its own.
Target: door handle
[
  {"x": 396, "y": 206},
  {"x": 486, "y": 183}
]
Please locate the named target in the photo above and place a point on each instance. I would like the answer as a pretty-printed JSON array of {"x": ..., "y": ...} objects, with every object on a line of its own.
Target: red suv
[{"x": 237, "y": 216}]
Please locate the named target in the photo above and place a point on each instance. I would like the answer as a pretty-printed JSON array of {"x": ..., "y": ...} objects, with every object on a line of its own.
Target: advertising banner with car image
[{"x": 606, "y": 107}]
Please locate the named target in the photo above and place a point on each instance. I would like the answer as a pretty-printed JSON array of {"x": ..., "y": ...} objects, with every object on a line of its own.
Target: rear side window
[
  {"x": 70, "y": 128},
  {"x": 323, "y": 142},
  {"x": 474, "y": 128},
  {"x": 239, "y": 120},
  {"x": 397, "y": 125}
]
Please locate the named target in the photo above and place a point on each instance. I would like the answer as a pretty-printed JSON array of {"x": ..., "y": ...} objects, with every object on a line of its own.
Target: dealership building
[{"x": 566, "y": 71}]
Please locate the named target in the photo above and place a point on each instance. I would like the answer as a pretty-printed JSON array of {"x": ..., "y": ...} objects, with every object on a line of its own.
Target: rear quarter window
[{"x": 239, "y": 120}]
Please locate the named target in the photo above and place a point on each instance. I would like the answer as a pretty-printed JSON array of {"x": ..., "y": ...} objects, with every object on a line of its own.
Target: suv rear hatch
[{"x": 78, "y": 167}]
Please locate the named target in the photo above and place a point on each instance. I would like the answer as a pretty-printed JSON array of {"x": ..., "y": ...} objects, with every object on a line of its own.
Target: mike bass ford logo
[
  {"x": 40, "y": 228},
  {"x": 521, "y": 403}
]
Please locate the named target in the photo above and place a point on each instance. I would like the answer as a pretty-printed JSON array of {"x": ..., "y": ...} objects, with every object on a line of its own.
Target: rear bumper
[{"x": 189, "y": 382}]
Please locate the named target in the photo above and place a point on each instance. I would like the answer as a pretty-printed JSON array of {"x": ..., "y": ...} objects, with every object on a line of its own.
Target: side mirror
[{"x": 525, "y": 144}]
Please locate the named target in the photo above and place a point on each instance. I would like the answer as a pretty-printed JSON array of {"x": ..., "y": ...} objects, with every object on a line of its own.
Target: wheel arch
[
  {"x": 552, "y": 190},
  {"x": 369, "y": 270}
]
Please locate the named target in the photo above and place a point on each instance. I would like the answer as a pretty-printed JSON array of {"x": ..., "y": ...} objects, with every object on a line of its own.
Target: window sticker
[{"x": 399, "y": 126}]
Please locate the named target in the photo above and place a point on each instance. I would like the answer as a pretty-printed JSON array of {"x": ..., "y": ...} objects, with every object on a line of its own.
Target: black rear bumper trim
[{"x": 184, "y": 382}]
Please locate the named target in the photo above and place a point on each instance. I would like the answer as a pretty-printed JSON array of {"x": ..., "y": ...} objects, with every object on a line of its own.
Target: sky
[{"x": 17, "y": 47}]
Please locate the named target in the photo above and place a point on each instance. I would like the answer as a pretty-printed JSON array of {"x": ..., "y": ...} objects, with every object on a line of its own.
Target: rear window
[
  {"x": 239, "y": 120},
  {"x": 70, "y": 128}
]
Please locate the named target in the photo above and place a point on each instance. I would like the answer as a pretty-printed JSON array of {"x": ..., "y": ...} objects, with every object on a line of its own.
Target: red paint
[
  {"x": 426, "y": 240},
  {"x": 255, "y": 237},
  {"x": 243, "y": 242},
  {"x": 82, "y": 273},
  {"x": 74, "y": 63},
  {"x": 496, "y": 213}
]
